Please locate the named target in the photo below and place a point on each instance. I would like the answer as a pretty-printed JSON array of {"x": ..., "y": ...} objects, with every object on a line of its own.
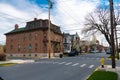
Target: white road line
[
  {"x": 97, "y": 58},
  {"x": 56, "y": 62},
  {"x": 68, "y": 63},
  {"x": 75, "y": 64},
  {"x": 62, "y": 62},
  {"x": 88, "y": 58},
  {"x": 39, "y": 62},
  {"x": 91, "y": 66},
  {"x": 93, "y": 58},
  {"x": 83, "y": 65}
]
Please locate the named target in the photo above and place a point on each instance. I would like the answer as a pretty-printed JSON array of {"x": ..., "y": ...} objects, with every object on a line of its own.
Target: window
[
  {"x": 11, "y": 38},
  {"x": 36, "y": 36},
  {"x": 65, "y": 40},
  {"x": 30, "y": 47},
  {"x": 18, "y": 47},
  {"x": 45, "y": 35},
  {"x": 24, "y": 37},
  {"x": 11, "y": 47},
  {"x": 36, "y": 46},
  {"x": 18, "y": 37},
  {"x": 44, "y": 47},
  {"x": 30, "y": 36},
  {"x": 24, "y": 48},
  {"x": 44, "y": 24}
]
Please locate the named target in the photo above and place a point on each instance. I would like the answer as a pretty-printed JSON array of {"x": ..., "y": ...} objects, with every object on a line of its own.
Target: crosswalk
[
  {"x": 68, "y": 63},
  {"x": 91, "y": 66},
  {"x": 83, "y": 65},
  {"x": 89, "y": 58},
  {"x": 73, "y": 64}
]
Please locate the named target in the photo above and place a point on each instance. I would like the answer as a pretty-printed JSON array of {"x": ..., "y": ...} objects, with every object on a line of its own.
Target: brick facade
[
  {"x": 32, "y": 40},
  {"x": 1, "y": 49}
]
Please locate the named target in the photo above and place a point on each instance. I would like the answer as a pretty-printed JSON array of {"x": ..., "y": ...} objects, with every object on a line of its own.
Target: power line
[
  {"x": 62, "y": 1},
  {"x": 65, "y": 11},
  {"x": 12, "y": 16},
  {"x": 72, "y": 29}
]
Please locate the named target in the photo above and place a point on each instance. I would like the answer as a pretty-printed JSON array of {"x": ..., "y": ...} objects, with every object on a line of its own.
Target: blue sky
[{"x": 68, "y": 14}]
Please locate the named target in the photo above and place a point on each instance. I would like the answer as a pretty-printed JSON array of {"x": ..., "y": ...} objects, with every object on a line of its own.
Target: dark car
[
  {"x": 73, "y": 53},
  {"x": 108, "y": 51}
]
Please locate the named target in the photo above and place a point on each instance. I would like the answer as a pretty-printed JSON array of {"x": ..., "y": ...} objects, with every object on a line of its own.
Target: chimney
[
  {"x": 35, "y": 19},
  {"x": 16, "y": 26}
]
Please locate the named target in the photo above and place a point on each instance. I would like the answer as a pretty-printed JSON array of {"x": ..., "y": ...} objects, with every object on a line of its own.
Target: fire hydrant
[{"x": 102, "y": 61}]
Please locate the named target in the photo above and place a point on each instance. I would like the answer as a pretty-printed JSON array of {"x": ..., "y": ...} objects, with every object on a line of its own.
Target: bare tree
[{"x": 99, "y": 21}]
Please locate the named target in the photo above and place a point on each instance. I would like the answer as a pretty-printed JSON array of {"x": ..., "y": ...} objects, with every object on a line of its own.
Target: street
[{"x": 68, "y": 68}]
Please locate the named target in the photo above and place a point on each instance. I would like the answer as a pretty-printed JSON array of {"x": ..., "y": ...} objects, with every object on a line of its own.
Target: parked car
[
  {"x": 66, "y": 52},
  {"x": 73, "y": 53},
  {"x": 108, "y": 51}
]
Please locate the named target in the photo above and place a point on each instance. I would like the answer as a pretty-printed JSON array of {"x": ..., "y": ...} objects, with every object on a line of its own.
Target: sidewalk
[
  {"x": 109, "y": 68},
  {"x": 19, "y": 61}
]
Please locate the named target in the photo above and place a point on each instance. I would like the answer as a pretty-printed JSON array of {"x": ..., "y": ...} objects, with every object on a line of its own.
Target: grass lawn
[
  {"x": 103, "y": 75},
  {"x": 7, "y": 64}
]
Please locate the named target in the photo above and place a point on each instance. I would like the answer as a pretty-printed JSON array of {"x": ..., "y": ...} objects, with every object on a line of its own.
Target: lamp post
[{"x": 112, "y": 33}]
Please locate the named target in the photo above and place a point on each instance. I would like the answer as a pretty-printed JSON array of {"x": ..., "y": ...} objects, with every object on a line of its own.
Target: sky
[{"x": 68, "y": 14}]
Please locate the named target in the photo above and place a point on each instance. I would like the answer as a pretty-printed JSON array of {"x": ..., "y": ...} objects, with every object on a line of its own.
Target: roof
[
  {"x": 55, "y": 29},
  {"x": 35, "y": 25},
  {"x": 16, "y": 30}
]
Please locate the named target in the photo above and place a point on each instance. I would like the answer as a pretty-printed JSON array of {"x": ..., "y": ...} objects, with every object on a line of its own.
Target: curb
[{"x": 91, "y": 74}]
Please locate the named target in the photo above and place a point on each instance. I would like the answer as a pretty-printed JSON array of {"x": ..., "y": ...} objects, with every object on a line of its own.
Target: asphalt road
[{"x": 69, "y": 68}]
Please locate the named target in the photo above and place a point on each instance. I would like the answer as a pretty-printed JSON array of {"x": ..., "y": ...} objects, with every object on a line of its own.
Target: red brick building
[{"x": 32, "y": 40}]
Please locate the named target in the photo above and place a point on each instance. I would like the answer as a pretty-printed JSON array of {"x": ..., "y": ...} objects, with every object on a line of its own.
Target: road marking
[
  {"x": 91, "y": 66},
  {"x": 93, "y": 58},
  {"x": 68, "y": 63},
  {"x": 38, "y": 62},
  {"x": 56, "y": 62},
  {"x": 97, "y": 58},
  {"x": 83, "y": 65},
  {"x": 62, "y": 62},
  {"x": 88, "y": 58},
  {"x": 75, "y": 64}
]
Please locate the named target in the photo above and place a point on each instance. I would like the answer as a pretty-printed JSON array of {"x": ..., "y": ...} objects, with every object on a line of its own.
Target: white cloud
[
  {"x": 11, "y": 15},
  {"x": 66, "y": 14},
  {"x": 71, "y": 14}
]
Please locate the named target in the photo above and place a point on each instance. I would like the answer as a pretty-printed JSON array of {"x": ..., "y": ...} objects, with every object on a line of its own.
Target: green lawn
[
  {"x": 103, "y": 75},
  {"x": 7, "y": 64}
]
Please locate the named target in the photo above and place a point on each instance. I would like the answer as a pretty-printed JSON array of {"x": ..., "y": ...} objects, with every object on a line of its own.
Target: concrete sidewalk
[
  {"x": 109, "y": 68},
  {"x": 18, "y": 61}
]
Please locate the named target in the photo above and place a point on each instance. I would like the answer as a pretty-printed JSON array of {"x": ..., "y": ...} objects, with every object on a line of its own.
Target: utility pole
[
  {"x": 116, "y": 40},
  {"x": 115, "y": 24},
  {"x": 49, "y": 38},
  {"x": 112, "y": 33}
]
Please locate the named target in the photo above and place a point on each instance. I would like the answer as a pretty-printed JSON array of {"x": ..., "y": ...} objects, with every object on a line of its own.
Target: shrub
[{"x": 2, "y": 57}]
